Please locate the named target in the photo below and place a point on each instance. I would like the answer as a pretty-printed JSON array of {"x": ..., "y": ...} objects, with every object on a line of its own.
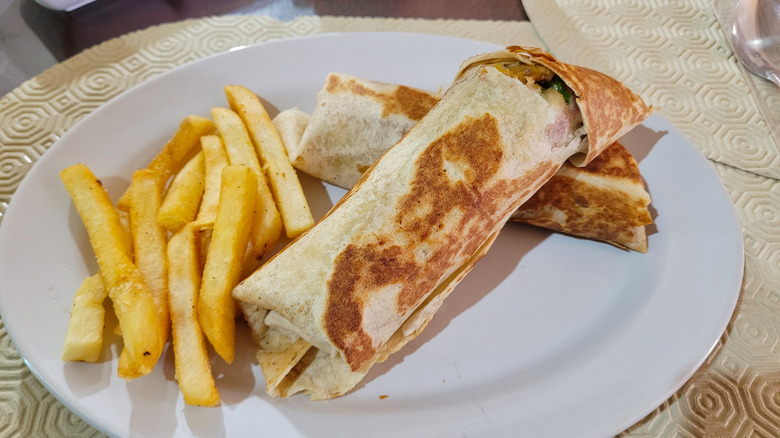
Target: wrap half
[
  {"x": 370, "y": 275},
  {"x": 357, "y": 120}
]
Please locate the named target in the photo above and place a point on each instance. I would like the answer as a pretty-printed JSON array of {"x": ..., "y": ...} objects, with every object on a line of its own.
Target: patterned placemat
[
  {"x": 676, "y": 56},
  {"x": 40, "y": 111}
]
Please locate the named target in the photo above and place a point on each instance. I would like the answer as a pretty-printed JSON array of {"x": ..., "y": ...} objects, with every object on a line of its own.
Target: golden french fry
[
  {"x": 133, "y": 303},
  {"x": 184, "y": 195},
  {"x": 266, "y": 224},
  {"x": 236, "y": 139},
  {"x": 172, "y": 155},
  {"x": 193, "y": 369},
  {"x": 215, "y": 159},
  {"x": 282, "y": 177},
  {"x": 149, "y": 241},
  {"x": 216, "y": 309},
  {"x": 84, "y": 339}
]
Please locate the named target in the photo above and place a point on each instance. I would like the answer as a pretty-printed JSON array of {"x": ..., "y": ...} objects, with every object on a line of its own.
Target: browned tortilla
[
  {"x": 354, "y": 122},
  {"x": 604, "y": 200},
  {"x": 372, "y": 272}
]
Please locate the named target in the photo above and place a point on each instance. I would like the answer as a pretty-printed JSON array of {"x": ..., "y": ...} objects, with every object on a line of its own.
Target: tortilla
[
  {"x": 357, "y": 120},
  {"x": 372, "y": 273},
  {"x": 605, "y": 200}
]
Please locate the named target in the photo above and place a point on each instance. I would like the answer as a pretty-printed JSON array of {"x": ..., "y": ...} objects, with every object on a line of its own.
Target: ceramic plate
[{"x": 549, "y": 335}]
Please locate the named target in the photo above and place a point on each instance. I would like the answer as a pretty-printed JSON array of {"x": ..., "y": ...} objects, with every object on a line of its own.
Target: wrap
[
  {"x": 369, "y": 276},
  {"x": 357, "y": 120}
]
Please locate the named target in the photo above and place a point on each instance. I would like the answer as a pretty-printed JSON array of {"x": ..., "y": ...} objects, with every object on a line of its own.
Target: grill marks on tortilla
[
  {"x": 463, "y": 205},
  {"x": 584, "y": 214},
  {"x": 359, "y": 268},
  {"x": 578, "y": 205},
  {"x": 405, "y": 101},
  {"x": 450, "y": 174}
]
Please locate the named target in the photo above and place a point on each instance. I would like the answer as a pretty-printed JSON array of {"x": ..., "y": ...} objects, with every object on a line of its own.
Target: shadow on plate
[{"x": 639, "y": 142}]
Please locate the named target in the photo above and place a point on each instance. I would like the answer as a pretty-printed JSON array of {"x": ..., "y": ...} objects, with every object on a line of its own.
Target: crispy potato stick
[
  {"x": 283, "y": 179},
  {"x": 172, "y": 155},
  {"x": 183, "y": 197},
  {"x": 149, "y": 241},
  {"x": 193, "y": 369},
  {"x": 238, "y": 145},
  {"x": 126, "y": 369},
  {"x": 133, "y": 303},
  {"x": 84, "y": 339},
  {"x": 216, "y": 309},
  {"x": 216, "y": 159},
  {"x": 266, "y": 224}
]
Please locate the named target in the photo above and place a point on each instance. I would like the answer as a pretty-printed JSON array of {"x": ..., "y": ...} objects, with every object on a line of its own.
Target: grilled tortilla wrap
[
  {"x": 357, "y": 120},
  {"x": 370, "y": 275}
]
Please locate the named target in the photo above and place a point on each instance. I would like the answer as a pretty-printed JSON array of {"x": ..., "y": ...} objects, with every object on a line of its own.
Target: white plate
[{"x": 548, "y": 336}]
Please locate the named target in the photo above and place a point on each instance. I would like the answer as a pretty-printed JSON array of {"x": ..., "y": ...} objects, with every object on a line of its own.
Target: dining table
[{"x": 59, "y": 64}]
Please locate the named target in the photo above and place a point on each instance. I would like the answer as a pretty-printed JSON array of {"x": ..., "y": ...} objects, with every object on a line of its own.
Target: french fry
[
  {"x": 149, "y": 241},
  {"x": 132, "y": 301},
  {"x": 236, "y": 139},
  {"x": 84, "y": 338},
  {"x": 221, "y": 273},
  {"x": 191, "y": 361},
  {"x": 215, "y": 159},
  {"x": 266, "y": 224},
  {"x": 283, "y": 179},
  {"x": 172, "y": 155},
  {"x": 183, "y": 198}
]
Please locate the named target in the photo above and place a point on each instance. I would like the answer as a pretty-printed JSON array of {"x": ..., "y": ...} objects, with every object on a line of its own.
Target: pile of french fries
[{"x": 192, "y": 224}]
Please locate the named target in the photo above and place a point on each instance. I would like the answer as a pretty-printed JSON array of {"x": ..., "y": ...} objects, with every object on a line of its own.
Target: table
[
  {"x": 672, "y": 53},
  {"x": 35, "y": 38}
]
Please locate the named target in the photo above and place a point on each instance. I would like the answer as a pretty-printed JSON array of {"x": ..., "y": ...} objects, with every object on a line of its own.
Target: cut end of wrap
[{"x": 609, "y": 109}]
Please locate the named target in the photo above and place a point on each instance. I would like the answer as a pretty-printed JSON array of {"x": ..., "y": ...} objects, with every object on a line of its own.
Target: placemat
[
  {"x": 40, "y": 111},
  {"x": 676, "y": 56}
]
